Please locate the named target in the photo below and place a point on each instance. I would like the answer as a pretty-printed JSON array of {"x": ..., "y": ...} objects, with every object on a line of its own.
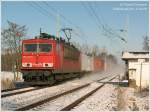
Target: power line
[
  {"x": 95, "y": 14},
  {"x": 51, "y": 15},
  {"x": 56, "y": 11},
  {"x": 46, "y": 13},
  {"x": 38, "y": 8},
  {"x": 100, "y": 15},
  {"x": 109, "y": 31},
  {"x": 102, "y": 25},
  {"x": 90, "y": 13},
  {"x": 65, "y": 19}
]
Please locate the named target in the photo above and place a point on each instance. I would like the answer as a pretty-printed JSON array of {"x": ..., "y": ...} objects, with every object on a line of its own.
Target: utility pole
[
  {"x": 58, "y": 25},
  {"x": 40, "y": 31},
  {"x": 126, "y": 32}
]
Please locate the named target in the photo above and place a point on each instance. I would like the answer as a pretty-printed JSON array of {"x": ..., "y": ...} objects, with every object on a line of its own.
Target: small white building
[{"x": 137, "y": 67}]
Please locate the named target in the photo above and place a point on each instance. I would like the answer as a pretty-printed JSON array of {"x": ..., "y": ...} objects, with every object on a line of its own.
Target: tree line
[{"x": 12, "y": 37}]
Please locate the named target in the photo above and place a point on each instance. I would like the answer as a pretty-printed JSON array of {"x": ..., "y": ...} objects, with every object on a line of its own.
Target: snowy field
[
  {"x": 13, "y": 102},
  {"x": 103, "y": 100},
  {"x": 7, "y": 80},
  {"x": 10, "y": 76},
  {"x": 115, "y": 98},
  {"x": 133, "y": 100},
  {"x": 109, "y": 98}
]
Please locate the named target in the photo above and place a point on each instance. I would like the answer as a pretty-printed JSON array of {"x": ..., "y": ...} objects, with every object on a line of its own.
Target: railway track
[
  {"x": 15, "y": 91},
  {"x": 76, "y": 102},
  {"x": 19, "y": 91},
  {"x": 71, "y": 105},
  {"x": 7, "y": 90}
]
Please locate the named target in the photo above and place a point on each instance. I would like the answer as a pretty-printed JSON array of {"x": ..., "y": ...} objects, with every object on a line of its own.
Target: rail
[
  {"x": 54, "y": 97},
  {"x": 75, "y": 103}
]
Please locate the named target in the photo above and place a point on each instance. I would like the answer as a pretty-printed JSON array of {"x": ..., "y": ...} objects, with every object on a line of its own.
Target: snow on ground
[
  {"x": 13, "y": 102},
  {"x": 109, "y": 98},
  {"x": 133, "y": 100},
  {"x": 65, "y": 100},
  {"x": 115, "y": 98},
  {"x": 103, "y": 100},
  {"x": 17, "y": 101},
  {"x": 7, "y": 80},
  {"x": 9, "y": 75}
]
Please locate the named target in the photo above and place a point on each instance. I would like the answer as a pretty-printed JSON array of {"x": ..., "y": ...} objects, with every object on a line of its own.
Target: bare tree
[
  {"x": 146, "y": 43},
  {"x": 11, "y": 42}
]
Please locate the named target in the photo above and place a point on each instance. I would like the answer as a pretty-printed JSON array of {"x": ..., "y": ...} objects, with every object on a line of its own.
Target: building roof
[{"x": 135, "y": 55}]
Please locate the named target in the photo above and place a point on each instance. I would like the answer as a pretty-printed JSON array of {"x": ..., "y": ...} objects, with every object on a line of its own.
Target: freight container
[
  {"x": 98, "y": 64},
  {"x": 86, "y": 63}
]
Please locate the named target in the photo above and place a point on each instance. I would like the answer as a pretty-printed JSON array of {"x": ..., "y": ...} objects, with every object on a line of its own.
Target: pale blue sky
[{"x": 27, "y": 13}]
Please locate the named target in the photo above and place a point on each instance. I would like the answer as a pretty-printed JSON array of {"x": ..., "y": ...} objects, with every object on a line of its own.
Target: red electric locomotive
[{"x": 47, "y": 59}]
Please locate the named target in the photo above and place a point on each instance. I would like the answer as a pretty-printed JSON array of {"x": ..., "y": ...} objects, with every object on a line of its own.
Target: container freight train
[{"x": 48, "y": 59}]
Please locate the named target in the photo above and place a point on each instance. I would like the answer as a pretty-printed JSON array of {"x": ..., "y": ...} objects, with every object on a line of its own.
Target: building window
[{"x": 147, "y": 60}]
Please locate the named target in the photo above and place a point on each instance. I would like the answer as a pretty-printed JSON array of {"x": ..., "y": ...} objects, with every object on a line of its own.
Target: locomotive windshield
[
  {"x": 45, "y": 47},
  {"x": 30, "y": 47},
  {"x": 37, "y": 47}
]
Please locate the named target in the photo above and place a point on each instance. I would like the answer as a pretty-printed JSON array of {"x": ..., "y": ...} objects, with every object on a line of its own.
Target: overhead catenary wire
[
  {"x": 90, "y": 14},
  {"x": 89, "y": 6},
  {"x": 67, "y": 20},
  {"x": 110, "y": 32},
  {"x": 95, "y": 14},
  {"x": 49, "y": 14},
  {"x": 100, "y": 15},
  {"x": 101, "y": 25},
  {"x": 40, "y": 9},
  {"x": 56, "y": 11}
]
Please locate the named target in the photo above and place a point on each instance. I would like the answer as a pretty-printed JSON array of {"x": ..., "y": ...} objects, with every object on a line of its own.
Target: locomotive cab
[
  {"x": 37, "y": 55},
  {"x": 38, "y": 59}
]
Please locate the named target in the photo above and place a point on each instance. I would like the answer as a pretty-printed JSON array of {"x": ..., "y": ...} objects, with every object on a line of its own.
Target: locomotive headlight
[
  {"x": 47, "y": 64},
  {"x": 26, "y": 64}
]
